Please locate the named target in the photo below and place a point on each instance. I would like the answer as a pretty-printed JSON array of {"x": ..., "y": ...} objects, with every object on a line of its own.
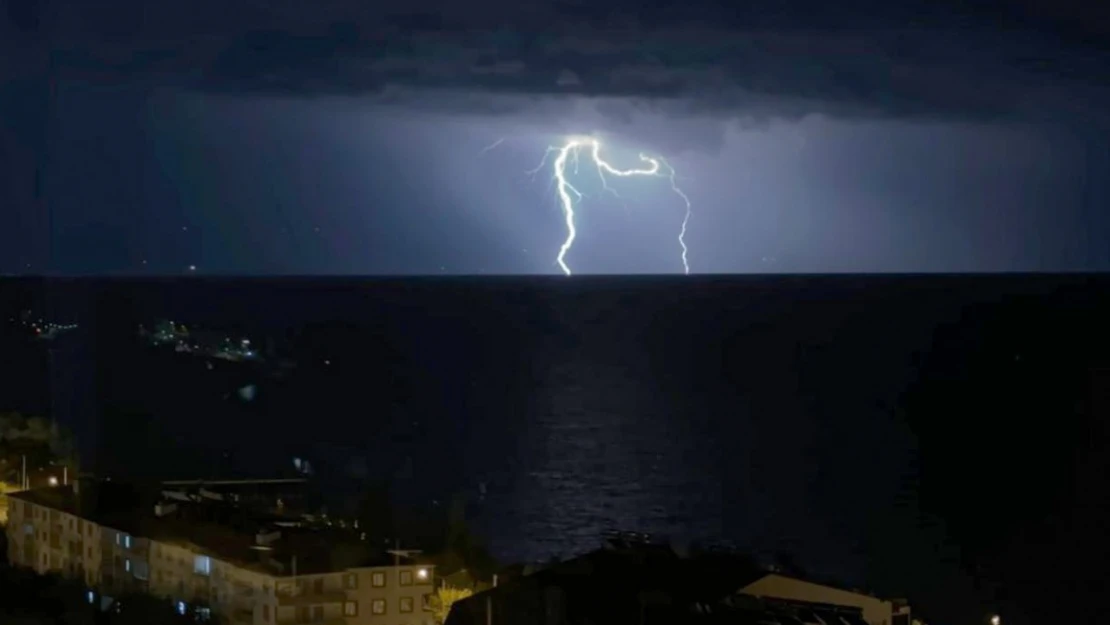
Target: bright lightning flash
[{"x": 569, "y": 195}]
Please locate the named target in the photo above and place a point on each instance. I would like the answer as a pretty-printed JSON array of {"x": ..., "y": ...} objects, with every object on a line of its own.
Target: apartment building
[
  {"x": 49, "y": 536},
  {"x": 273, "y": 576}
]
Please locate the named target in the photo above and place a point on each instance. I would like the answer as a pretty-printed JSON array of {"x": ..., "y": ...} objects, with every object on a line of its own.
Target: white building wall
[
  {"x": 49, "y": 540},
  {"x": 875, "y": 611}
]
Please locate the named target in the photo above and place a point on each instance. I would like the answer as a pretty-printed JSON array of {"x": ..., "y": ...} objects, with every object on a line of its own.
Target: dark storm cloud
[{"x": 761, "y": 59}]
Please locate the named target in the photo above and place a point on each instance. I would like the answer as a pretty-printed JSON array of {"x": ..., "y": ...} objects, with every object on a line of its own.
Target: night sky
[
  {"x": 395, "y": 138},
  {"x": 345, "y": 137}
]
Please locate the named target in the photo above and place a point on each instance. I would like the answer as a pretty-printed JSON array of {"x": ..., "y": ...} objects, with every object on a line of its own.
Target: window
[
  {"x": 317, "y": 613},
  {"x": 71, "y": 525},
  {"x": 350, "y": 581},
  {"x": 429, "y": 598},
  {"x": 377, "y": 580},
  {"x": 88, "y": 552},
  {"x": 406, "y": 578},
  {"x": 265, "y": 613},
  {"x": 28, "y": 529},
  {"x": 406, "y": 604},
  {"x": 202, "y": 565},
  {"x": 119, "y": 538},
  {"x": 378, "y": 606},
  {"x": 350, "y": 608},
  {"x": 126, "y": 541},
  {"x": 142, "y": 570},
  {"x": 127, "y": 565},
  {"x": 423, "y": 576},
  {"x": 318, "y": 585}
]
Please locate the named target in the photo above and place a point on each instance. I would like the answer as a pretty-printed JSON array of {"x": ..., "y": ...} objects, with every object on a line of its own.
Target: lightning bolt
[
  {"x": 492, "y": 146},
  {"x": 569, "y": 195}
]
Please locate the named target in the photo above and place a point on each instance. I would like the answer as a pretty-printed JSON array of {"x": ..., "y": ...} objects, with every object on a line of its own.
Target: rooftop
[
  {"x": 105, "y": 503},
  {"x": 644, "y": 583},
  {"x": 608, "y": 585}
]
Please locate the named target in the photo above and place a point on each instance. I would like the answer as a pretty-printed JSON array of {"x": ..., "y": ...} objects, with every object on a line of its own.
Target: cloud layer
[{"x": 856, "y": 58}]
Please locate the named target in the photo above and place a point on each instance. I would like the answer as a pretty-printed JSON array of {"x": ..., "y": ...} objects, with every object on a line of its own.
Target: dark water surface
[{"x": 897, "y": 431}]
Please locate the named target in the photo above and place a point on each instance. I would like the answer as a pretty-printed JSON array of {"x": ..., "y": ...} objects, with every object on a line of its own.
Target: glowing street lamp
[
  {"x": 53, "y": 480},
  {"x": 996, "y": 620}
]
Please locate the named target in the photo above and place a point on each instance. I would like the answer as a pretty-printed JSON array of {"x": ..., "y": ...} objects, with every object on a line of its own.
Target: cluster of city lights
[
  {"x": 226, "y": 348},
  {"x": 42, "y": 328}
]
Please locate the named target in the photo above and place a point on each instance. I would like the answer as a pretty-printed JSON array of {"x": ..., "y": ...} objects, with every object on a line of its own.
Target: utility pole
[
  {"x": 489, "y": 602},
  {"x": 25, "y": 486}
]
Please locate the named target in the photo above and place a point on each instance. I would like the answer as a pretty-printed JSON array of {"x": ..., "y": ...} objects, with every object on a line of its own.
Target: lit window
[
  {"x": 406, "y": 604},
  {"x": 92, "y": 597},
  {"x": 181, "y": 608},
  {"x": 28, "y": 529},
  {"x": 378, "y": 607},
  {"x": 202, "y": 565},
  {"x": 127, "y": 541},
  {"x": 350, "y": 608},
  {"x": 127, "y": 565},
  {"x": 119, "y": 538},
  {"x": 377, "y": 580},
  {"x": 406, "y": 578}
]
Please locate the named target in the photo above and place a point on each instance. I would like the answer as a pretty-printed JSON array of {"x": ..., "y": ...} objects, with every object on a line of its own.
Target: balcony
[{"x": 310, "y": 598}]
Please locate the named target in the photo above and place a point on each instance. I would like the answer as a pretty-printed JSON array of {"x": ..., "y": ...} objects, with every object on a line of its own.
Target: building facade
[{"x": 49, "y": 538}]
